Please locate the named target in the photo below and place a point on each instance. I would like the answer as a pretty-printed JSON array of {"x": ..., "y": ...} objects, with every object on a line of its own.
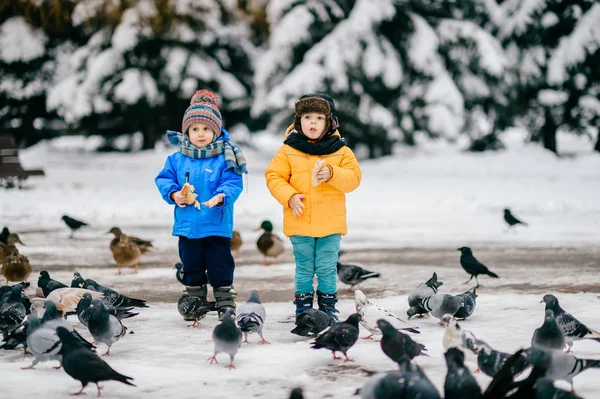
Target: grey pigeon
[
  {"x": 548, "y": 336},
  {"x": 43, "y": 342},
  {"x": 397, "y": 345},
  {"x": 469, "y": 300},
  {"x": 227, "y": 338},
  {"x": 12, "y": 311},
  {"x": 459, "y": 383},
  {"x": 370, "y": 313},
  {"x": 424, "y": 290},
  {"x": 386, "y": 385},
  {"x": 84, "y": 365},
  {"x": 251, "y": 317},
  {"x": 312, "y": 321},
  {"x": 572, "y": 329},
  {"x": 352, "y": 274},
  {"x": 511, "y": 220},
  {"x": 490, "y": 360},
  {"x": 545, "y": 389},
  {"x": 103, "y": 326},
  {"x": 472, "y": 265},
  {"x": 564, "y": 366},
  {"x": 340, "y": 337},
  {"x": 440, "y": 304},
  {"x": 83, "y": 310},
  {"x": 53, "y": 320}
]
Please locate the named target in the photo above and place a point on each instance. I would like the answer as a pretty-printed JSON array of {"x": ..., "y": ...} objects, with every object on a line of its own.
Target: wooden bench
[{"x": 11, "y": 172}]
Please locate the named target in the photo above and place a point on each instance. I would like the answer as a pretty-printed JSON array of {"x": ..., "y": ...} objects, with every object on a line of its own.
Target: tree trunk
[
  {"x": 597, "y": 146},
  {"x": 549, "y": 132}
]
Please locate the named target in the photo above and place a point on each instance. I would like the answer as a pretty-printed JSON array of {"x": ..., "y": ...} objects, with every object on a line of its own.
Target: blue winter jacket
[{"x": 209, "y": 177}]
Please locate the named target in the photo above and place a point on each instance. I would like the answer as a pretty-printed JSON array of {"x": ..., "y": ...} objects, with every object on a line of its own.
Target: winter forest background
[{"x": 401, "y": 71}]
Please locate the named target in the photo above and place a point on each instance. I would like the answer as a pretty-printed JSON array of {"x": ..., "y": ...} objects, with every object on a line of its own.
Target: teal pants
[{"x": 316, "y": 256}]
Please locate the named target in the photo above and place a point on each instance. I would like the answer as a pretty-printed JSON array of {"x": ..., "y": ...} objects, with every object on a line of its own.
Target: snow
[
  {"x": 433, "y": 199},
  {"x": 19, "y": 42}
]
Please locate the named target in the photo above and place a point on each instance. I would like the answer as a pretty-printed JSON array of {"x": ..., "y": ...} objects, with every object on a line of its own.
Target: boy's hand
[
  {"x": 178, "y": 198},
  {"x": 295, "y": 202},
  {"x": 214, "y": 201},
  {"x": 324, "y": 174}
]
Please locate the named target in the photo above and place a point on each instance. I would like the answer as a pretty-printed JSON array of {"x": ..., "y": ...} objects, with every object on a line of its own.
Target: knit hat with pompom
[{"x": 204, "y": 108}]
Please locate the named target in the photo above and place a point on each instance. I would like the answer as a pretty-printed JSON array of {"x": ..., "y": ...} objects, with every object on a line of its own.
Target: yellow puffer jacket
[{"x": 324, "y": 213}]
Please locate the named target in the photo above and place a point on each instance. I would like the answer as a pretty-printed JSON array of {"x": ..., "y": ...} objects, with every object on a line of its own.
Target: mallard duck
[
  {"x": 126, "y": 253},
  {"x": 269, "y": 244},
  {"x": 6, "y": 249},
  {"x": 144, "y": 245},
  {"x": 16, "y": 267},
  {"x": 236, "y": 243}
]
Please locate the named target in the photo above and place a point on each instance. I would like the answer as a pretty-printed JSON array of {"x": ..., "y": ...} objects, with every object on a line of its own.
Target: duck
[
  {"x": 6, "y": 248},
  {"x": 126, "y": 253},
  {"x": 236, "y": 243},
  {"x": 144, "y": 245},
  {"x": 269, "y": 244},
  {"x": 16, "y": 267}
]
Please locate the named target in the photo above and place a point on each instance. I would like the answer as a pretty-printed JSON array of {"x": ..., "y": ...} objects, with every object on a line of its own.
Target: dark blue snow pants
[{"x": 206, "y": 260}]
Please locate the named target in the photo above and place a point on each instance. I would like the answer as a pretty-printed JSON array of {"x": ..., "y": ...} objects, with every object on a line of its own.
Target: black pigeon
[
  {"x": 571, "y": 328},
  {"x": 511, "y": 220},
  {"x": 469, "y": 300},
  {"x": 12, "y": 312},
  {"x": 111, "y": 296},
  {"x": 339, "y": 337},
  {"x": 491, "y": 361},
  {"x": 548, "y": 335},
  {"x": 17, "y": 337},
  {"x": 84, "y": 315},
  {"x": 397, "y": 345},
  {"x": 5, "y": 291},
  {"x": 353, "y": 275},
  {"x": 459, "y": 383},
  {"x": 312, "y": 321},
  {"x": 194, "y": 308},
  {"x": 545, "y": 389},
  {"x": 179, "y": 272},
  {"x": 45, "y": 279},
  {"x": 73, "y": 224},
  {"x": 504, "y": 380},
  {"x": 424, "y": 290},
  {"x": 84, "y": 365},
  {"x": 407, "y": 382},
  {"x": 472, "y": 265},
  {"x": 4, "y": 235},
  {"x": 296, "y": 394}
]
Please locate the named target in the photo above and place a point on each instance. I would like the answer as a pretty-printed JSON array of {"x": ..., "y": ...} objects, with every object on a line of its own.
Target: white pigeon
[
  {"x": 371, "y": 312},
  {"x": 456, "y": 337},
  {"x": 251, "y": 317}
]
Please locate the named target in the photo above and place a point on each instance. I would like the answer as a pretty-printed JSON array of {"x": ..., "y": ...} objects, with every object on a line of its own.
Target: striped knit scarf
[{"x": 233, "y": 153}]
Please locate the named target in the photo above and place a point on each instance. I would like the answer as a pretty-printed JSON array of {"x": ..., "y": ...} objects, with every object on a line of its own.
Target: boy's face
[
  {"x": 200, "y": 135},
  {"x": 313, "y": 125}
]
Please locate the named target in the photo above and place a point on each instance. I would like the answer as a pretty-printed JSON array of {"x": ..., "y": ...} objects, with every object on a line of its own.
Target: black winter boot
[
  {"x": 303, "y": 302},
  {"x": 225, "y": 297},
  {"x": 327, "y": 304},
  {"x": 193, "y": 305}
]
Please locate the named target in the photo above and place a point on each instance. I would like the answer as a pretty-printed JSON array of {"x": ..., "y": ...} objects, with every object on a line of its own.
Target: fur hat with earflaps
[
  {"x": 319, "y": 103},
  {"x": 204, "y": 108}
]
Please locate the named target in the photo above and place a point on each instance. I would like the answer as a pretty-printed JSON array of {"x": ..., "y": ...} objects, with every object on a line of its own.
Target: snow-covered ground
[{"x": 433, "y": 200}]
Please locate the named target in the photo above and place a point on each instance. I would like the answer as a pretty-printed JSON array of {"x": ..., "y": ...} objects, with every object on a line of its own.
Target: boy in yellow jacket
[{"x": 310, "y": 176}]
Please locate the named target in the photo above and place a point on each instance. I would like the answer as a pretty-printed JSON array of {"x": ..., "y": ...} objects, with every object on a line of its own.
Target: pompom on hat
[
  {"x": 319, "y": 103},
  {"x": 204, "y": 108}
]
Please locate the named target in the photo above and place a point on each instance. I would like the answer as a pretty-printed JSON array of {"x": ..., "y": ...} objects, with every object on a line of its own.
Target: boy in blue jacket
[{"x": 214, "y": 165}]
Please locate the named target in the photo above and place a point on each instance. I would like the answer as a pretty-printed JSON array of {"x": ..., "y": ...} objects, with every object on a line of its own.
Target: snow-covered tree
[{"x": 144, "y": 60}]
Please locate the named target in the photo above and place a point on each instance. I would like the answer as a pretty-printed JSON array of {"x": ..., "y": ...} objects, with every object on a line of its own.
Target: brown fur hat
[{"x": 318, "y": 103}]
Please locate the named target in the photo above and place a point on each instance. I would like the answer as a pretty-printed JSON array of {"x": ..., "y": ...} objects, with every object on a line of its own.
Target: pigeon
[
  {"x": 83, "y": 307},
  {"x": 12, "y": 312},
  {"x": 472, "y": 265},
  {"x": 424, "y": 290},
  {"x": 296, "y": 393},
  {"x": 251, "y": 317},
  {"x": 73, "y": 224},
  {"x": 65, "y": 299},
  {"x": 84, "y": 365},
  {"x": 312, "y": 321},
  {"x": 103, "y": 326},
  {"x": 397, "y": 345},
  {"x": 469, "y": 300},
  {"x": 564, "y": 366},
  {"x": 352, "y": 274},
  {"x": 504, "y": 380},
  {"x": 5, "y": 291},
  {"x": 4, "y": 235},
  {"x": 340, "y": 337},
  {"x": 490, "y": 361},
  {"x": 571, "y": 328},
  {"x": 548, "y": 335},
  {"x": 52, "y": 320},
  {"x": 459, "y": 382},
  {"x": 111, "y": 296},
  {"x": 370, "y": 313},
  {"x": 511, "y": 220},
  {"x": 440, "y": 304},
  {"x": 45, "y": 279},
  {"x": 456, "y": 337},
  {"x": 545, "y": 389},
  {"x": 179, "y": 272},
  {"x": 42, "y": 342},
  {"x": 227, "y": 338},
  {"x": 17, "y": 337}
]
